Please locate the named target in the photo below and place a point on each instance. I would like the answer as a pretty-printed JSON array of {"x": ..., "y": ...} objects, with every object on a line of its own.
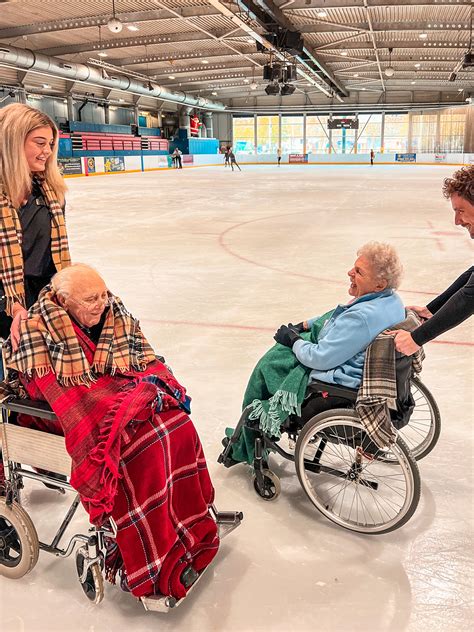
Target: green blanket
[{"x": 275, "y": 391}]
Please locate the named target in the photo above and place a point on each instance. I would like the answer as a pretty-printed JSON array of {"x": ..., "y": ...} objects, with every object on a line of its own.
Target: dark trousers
[{"x": 232, "y": 163}]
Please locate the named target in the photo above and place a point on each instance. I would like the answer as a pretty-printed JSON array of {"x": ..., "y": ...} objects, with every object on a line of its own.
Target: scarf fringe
[{"x": 270, "y": 421}]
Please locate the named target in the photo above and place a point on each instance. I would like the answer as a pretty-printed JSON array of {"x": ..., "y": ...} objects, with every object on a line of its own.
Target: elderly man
[
  {"x": 136, "y": 455},
  {"x": 455, "y": 304}
]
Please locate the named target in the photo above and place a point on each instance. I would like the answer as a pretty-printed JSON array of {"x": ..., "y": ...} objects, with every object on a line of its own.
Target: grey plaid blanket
[{"x": 378, "y": 390}]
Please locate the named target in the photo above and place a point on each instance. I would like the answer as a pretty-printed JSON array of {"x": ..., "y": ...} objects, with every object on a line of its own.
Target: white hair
[
  {"x": 63, "y": 281},
  {"x": 385, "y": 262}
]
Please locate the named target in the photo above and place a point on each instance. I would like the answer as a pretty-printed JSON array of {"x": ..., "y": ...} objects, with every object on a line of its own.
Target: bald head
[{"x": 82, "y": 292}]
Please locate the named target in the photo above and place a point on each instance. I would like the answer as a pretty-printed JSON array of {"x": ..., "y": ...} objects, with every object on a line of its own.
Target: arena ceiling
[{"x": 355, "y": 51}]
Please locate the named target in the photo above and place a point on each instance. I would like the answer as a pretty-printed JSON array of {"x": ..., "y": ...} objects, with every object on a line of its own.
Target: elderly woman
[
  {"x": 136, "y": 455},
  {"x": 332, "y": 351},
  {"x": 32, "y": 227}
]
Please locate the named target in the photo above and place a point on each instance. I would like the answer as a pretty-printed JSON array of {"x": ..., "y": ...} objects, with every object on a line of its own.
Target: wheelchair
[
  {"x": 349, "y": 479},
  {"x": 33, "y": 454}
]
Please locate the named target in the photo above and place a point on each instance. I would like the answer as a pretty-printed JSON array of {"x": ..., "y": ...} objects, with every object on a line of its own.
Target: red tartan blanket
[{"x": 136, "y": 456}]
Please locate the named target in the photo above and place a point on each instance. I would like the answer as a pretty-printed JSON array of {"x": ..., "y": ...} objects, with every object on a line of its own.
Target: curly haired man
[{"x": 456, "y": 303}]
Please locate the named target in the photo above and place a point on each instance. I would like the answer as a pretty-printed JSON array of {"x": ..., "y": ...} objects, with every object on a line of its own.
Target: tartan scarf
[
  {"x": 11, "y": 257},
  {"x": 378, "y": 391},
  {"x": 48, "y": 342}
]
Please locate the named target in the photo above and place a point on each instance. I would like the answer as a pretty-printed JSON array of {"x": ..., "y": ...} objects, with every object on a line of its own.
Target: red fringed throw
[{"x": 136, "y": 456}]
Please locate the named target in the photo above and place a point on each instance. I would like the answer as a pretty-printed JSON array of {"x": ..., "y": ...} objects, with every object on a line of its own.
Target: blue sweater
[{"x": 339, "y": 355}]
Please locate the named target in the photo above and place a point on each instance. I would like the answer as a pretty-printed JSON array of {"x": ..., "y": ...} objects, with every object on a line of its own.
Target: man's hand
[
  {"x": 19, "y": 314},
  {"x": 286, "y": 336},
  {"x": 423, "y": 312},
  {"x": 404, "y": 343}
]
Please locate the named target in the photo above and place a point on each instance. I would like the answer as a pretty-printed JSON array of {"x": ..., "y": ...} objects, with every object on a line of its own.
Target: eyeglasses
[{"x": 90, "y": 304}]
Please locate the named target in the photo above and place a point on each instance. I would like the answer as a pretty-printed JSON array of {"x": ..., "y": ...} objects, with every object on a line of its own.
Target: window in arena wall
[
  {"x": 424, "y": 133},
  {"x": 396, "y": 133},
  {"x": 343, "y": 141},
  {"x": 243, "y": 135},
  {"x": 292, "y": 134},
  {"x": 369, "y": 133},
  {"x": 267, "y": 134},
  {"x": 451, "y": 130},
  {"x": 317, "y": 135}
]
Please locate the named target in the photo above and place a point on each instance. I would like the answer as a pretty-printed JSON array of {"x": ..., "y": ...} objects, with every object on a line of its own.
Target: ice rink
[{"x": 212, "y": 262}]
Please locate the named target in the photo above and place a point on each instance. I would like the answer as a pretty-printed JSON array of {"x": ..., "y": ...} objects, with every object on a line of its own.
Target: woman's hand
[
  {"x": 19, "y": 314},
  {"x": 300, "y": 327},
  {"x": 404, "y": 343},
  {"x": 423, "y": 312}
]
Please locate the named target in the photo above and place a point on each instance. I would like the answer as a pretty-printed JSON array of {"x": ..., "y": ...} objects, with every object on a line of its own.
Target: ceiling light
[
  {"x": 246, "y": 80},
  {"x": 422, "y": 35},
  {"x": 253, "y": 86},
  {"x": 46, "y": 86},
  {"x": 121, "y": 100},
  {"x": 214, "y": 94},
  {"x": 204, "y": 61},
  {"x": 389, "y": 71},
  {"x": 250, "y": 40},
  {"x": 114, "y": 25},
  {"x": 133, "y": 27},
  {"x": 460, "y": 89},
  {"x": 102, "y": 54},
  {"x": 362, "y": 88},
  {"x": 356, "y": 74},
  {"x": 322, "y": 14},
  {"x": 344, "y": 53},
  {"x": 171, "y": 77},
  {"x": 417, "y": 65}
]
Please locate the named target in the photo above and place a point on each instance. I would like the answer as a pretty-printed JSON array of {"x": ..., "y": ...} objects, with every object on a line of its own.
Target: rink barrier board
[{"x": 95, "y": 165}]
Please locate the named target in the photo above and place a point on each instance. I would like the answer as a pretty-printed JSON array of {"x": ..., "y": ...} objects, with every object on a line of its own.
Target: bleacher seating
[{"x": 87, "y": 141}]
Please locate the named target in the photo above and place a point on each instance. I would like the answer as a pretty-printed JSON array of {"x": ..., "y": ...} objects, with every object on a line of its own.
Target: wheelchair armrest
[
  {"x": 29, "y": 407},
  {"x": 333, "y": 390}
]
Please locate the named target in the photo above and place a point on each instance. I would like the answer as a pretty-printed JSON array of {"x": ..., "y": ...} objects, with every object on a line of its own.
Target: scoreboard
[{"x": 343, "y": 123}]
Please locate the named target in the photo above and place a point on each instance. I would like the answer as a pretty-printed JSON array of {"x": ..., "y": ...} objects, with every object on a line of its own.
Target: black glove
[
  {"x": 298, "y": 328},
  {"x": 286, "y": 336}
]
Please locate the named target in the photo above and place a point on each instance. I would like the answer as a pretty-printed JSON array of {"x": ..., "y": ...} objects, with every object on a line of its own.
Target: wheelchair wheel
[
  {"x": 421, "y": 434},
  {"x": 93, "y": 584},
  {"x": 271, "y": 488},
  {"x": 349, "y": 480},
  {"x": 19, "y": 546}
]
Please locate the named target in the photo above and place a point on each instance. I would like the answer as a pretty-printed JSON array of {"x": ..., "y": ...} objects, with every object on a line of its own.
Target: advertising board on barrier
[
  {"x": 70, "y": 166},
  {"x": 405, "y": 157},
  {"x": 113, "y": 164},
  {"x": 90, "y": 165},
  {"x": 440, "y": 157},
  {"x": 187, "y": 159},
  {"x": 297, "y": 158}
]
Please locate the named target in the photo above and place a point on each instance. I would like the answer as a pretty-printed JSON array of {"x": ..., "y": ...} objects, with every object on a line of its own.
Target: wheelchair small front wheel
[
  {"x": 270, "y": 489},
  {"x": 351, "y": 481},
  {"x": 19, "y": 546},
  {"x": 93, "y": 584}
]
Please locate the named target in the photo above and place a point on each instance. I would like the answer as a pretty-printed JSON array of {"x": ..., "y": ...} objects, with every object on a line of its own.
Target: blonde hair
[
  {"x": 16, "y": 122},
  {"x": 384, "y": 261},
  {"x": 63, "y": 281}
]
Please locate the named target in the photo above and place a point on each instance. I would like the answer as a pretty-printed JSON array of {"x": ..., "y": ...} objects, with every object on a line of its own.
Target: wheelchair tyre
[
  {"x": 93, "y": 585},
  {"x": 348, "y": 479},
  {"x": 19, "y": 546},
  {"x": 422, "y": 432},
  {"x": 271, "y": 485}
]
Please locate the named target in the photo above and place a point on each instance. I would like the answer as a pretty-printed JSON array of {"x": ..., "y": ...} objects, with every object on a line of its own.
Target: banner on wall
[
  {"x": 297, "y": 158},
  {"x": 70, "y": 166},
  {"x": 405, "y": 157},
  {"x": 113, "y": 164},
  {"x": 187, "y": 159},
  {"x": 91, "y": 165}
]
